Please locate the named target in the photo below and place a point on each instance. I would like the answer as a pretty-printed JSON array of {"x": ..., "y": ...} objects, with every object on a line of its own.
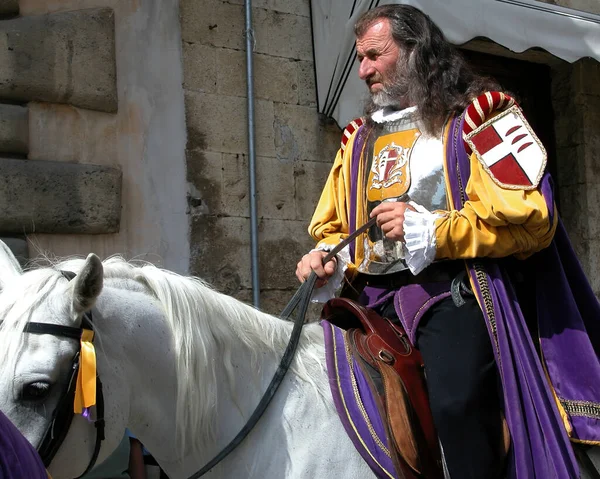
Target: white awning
[{"x": 516, "y": 24}]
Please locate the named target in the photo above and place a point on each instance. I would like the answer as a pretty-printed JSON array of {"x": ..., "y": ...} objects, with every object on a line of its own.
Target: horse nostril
[{"x": 34, "y": 392}]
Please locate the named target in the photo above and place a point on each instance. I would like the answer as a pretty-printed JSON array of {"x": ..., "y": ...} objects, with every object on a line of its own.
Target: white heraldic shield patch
[{"x": 509, "y": 150}]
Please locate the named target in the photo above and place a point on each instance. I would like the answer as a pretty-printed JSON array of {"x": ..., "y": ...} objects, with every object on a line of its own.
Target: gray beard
[
  {"x": 383, "y": 98},
  {"x": 391, "y": 96}
]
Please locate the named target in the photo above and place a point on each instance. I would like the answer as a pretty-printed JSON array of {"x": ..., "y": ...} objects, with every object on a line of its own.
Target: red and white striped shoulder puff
[
  {"x": 349, "y": 130},
  {"x": 481, "y": 109}
]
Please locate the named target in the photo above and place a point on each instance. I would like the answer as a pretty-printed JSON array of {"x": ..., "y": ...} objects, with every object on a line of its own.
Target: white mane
[{"x": 200, "y": 319}]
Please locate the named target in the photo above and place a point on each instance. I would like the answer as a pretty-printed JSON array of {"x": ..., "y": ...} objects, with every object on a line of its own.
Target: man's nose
[{"x": 365, "y": 69}]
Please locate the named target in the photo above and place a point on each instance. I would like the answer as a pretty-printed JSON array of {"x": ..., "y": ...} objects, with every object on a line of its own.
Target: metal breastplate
[{"x": 404, "y": 164}]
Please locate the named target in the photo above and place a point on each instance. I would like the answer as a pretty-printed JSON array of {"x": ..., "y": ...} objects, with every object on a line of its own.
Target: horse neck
[
  {"x": 137, "y": 364},
  {"x": 144, "y": 349},
  {"x": 244, "y": 367}
]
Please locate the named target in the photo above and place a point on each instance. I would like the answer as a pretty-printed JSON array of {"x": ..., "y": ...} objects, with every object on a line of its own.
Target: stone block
[
  {"x": 575, "y": 211},
  {"x": 205, "y": 182},
  {"x": 592, "y": 214},
  {"x": 568, "y": 127},
  {"x": 307, "y": 90},
  {"x": 310, "y": 177},
  {"x": 262, "y": 4},
  {"x": 195, "y": 17},
  {"x": 570, "y": 166},
  {"x": 223, "y": 24},
  {"x": 590, "y": 116},
  {"x": 283, "y": 243},
  {"x": 14, "y": 129},
  {"x": 219, "y": 123},
  {"x": 589, "y": 256},
  {"x": 200, "y": 67},
  {"x": 275, "y": 78},
  {"x": 9, "y": 7},
  {"x": 283, "y": 35},
  {"x": 561, "y": 80},
  {"x": 296, "y": 7},
  {"x": 56, "y": 197},
  {"x": 592, "y": 157},
  {"x": 589, "y": 6},
  {"x": 73, "y": 134},
  {"x": 19, "y": 247},
  {"x": 236, "y": 185},
  {"x": 302, "y": 134},
  {"x": 220, "y": 252},
  {"x": 275, "y": 189},
  {"x": 52, "y": 58},
  {"x": 213, "y": 22},
  {"x": 221, "y": 185},
  {"x": 586, "y": 76}
]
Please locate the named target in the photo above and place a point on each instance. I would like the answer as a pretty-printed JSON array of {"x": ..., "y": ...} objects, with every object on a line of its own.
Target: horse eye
[{"x": 36, "y": 391}]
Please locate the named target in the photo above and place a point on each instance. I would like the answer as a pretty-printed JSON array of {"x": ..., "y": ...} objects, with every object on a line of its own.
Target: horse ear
[
  {"x": 87, "y": 285},
  {"x": 9, "y": 266}
]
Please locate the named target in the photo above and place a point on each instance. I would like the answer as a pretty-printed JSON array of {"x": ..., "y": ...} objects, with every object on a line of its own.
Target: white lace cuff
[
  {"x": 419, "y": 238},
  {"x": 333, "y": 285}
]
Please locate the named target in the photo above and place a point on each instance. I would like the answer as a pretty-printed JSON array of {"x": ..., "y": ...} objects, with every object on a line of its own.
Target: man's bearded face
[
  {"x": 382, "y": 64},
  {"x": 393, "y": 89}
]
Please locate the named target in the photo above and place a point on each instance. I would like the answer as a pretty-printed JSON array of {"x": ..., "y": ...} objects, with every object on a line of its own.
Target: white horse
[{"x": 182, "y": 366}]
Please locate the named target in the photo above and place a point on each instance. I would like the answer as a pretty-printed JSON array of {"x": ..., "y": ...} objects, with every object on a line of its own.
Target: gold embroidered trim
[
  {"x": 581, "y": 408},
  {"x": 359, "y": 401},
  {"x": 346, "y": 408}
]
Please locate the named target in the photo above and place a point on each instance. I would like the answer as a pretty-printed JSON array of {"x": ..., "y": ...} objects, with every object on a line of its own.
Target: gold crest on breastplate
[{"x": 390, "y": 170}]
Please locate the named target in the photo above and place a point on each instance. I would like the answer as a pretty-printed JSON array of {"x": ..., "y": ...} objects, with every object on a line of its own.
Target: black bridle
[{"x": 63, "y": 414}]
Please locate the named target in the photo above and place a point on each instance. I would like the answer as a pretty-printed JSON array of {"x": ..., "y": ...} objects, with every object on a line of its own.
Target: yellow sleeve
[
  {"x": 329, "y": 224},
  {"x": 494, "y": 222}
]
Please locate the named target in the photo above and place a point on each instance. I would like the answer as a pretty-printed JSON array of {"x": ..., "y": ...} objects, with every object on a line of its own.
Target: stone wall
[
  {"x": 576, "y": 101},
  {"x": 99, "y": 128},
  {"x": 294, "y": 146},
  {"x": 590, "y": 6}
]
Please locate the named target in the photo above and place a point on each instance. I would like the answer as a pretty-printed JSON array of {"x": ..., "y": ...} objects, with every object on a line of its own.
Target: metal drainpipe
[{"x": 251, "y": 155}]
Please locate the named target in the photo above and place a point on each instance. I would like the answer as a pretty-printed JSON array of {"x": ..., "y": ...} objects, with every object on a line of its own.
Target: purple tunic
[{"x": 18, "y": 458}]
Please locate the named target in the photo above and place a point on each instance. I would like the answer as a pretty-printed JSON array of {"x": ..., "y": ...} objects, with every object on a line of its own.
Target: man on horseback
[{"x": 466, "y": 222}]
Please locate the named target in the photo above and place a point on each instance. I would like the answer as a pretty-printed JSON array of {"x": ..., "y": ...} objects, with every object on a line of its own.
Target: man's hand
[
  {"x": 390, "y": 218},
  {"x": 313, "y": 261}
]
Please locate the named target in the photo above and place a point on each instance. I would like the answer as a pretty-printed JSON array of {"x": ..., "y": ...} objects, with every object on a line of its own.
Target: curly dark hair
[{"x": 439, "y": 80}]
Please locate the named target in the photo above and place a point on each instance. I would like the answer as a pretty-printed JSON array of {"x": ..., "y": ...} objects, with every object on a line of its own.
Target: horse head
[{"x": 38, "y": 357}]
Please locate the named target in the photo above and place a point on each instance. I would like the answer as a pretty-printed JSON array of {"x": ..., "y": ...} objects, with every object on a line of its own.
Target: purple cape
[
  {"x": 18, "y": 458},
  {"x": 569, "y": 329}
]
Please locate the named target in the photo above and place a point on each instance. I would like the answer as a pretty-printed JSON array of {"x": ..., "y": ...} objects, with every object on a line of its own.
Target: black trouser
[{"x": 463, "y": 384}]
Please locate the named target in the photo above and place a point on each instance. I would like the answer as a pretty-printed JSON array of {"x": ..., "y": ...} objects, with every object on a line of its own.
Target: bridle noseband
[{"x": 63, "y": 414}]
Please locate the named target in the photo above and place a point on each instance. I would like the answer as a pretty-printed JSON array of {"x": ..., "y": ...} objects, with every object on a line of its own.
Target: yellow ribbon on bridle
[{"x": 85, "y": 389}]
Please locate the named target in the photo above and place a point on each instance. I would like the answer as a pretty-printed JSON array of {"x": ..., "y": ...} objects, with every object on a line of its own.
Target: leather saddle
[{"x": 394, "y": 370}]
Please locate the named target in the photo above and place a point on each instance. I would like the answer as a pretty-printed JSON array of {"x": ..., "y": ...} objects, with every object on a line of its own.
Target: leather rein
[
  {"x": 299, "y": 302},
  {"x": 63, "y": 414}
]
